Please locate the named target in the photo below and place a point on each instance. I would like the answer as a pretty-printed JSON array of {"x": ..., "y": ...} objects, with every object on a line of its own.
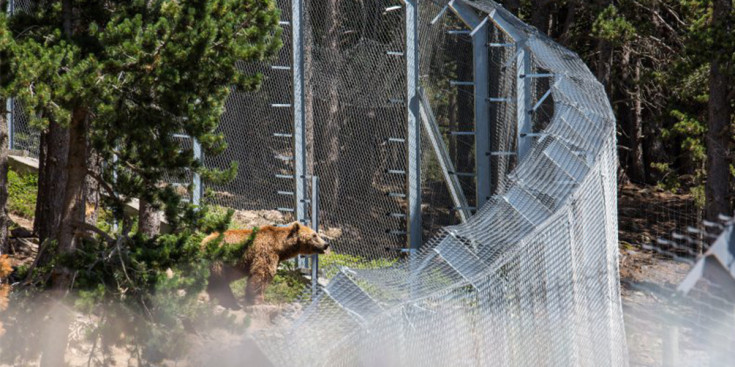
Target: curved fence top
[{"x": 532, "y": 277}]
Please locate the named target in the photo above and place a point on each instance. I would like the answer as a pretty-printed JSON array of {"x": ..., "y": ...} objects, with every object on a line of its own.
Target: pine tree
[
  {"x": 121, "y": 78},
  {"x": 719, "y": 130}
]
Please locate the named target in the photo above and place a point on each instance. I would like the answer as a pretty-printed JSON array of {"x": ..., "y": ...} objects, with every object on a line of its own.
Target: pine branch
[
  {"x": 84, "y": 226},
  {"x": 106, "y": 186}
]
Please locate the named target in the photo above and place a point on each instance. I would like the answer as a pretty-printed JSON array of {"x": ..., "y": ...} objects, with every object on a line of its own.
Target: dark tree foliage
[
  {"x": 122, "y": 78},
  {"x": 668, "y": 67}
]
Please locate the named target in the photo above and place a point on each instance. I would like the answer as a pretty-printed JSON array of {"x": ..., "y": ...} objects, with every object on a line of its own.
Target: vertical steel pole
[
  {"x": 524, "y": 99},
  {"x": 482, "y": 111},
  {"x": 414, "y": 127},
  {"x": 10, "y": 102},
  {"x": 315, "y": 226},
  {"x": 9, "y": 117},
  {"x": 196, "y": 195},
  {"x": 299, "y": 127},
  {"x": 298, "y": 110},
  {"x": 670, "y": 348}
]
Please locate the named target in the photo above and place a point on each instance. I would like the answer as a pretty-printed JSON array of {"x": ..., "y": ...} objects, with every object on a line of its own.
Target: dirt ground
[{"x": 649, "y": 278}]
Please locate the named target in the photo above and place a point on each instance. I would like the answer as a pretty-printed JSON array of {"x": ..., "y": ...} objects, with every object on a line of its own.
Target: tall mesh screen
[
  {"x": 258, "y": 130},
  {"x": 446, "y": 74},
  {"x": 24, "y": 139},
  {"x": 532, "y": 277},
  {"x": 356, "y": 93}
]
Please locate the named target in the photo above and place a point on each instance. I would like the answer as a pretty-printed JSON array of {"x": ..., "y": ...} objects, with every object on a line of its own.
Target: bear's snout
[{"x": 323, "y": 248}]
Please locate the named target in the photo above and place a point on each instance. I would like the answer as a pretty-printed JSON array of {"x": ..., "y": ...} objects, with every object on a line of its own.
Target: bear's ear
[{"x": 295, "y": 227}]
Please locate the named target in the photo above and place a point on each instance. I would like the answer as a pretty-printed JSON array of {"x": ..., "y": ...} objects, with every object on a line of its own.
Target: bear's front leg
[
  {"x": 218, "y": 286},
  {"x": 261, "y": 275}
]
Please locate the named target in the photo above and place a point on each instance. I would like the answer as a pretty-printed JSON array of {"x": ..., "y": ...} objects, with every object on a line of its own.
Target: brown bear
[{"x": 259, "y": 263}]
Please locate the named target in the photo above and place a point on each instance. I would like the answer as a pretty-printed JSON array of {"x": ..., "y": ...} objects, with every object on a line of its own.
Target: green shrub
[
  {"x": 22, "y": 192},
  {"x": 153, "y": 283}
]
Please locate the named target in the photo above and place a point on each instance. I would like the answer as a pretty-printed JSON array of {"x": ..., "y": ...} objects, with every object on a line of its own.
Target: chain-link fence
[
  {"x": 23, "y": 139},
  {"x": 532, "y": 277}
]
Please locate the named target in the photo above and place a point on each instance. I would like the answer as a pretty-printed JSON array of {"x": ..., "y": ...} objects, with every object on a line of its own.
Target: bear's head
[{"x": 308, "y": 242}]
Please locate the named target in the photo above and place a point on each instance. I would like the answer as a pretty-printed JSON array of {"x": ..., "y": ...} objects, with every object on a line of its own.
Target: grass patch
[
  {"x": 287, "y": 286},
  {"x": 331, "y": 263},
  {"x": 22, "y": 192}
]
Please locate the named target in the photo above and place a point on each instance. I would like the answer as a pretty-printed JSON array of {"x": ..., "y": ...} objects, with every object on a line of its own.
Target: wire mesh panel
[
  {"x": 356, "y": 77},
  {"x": 502, "y": 52},
  {"x": 25, "y": 139},
  {"x": 531, "y": 278},
  {"x": 447, "y": 76},
  {"x": 258, "y": 128}
]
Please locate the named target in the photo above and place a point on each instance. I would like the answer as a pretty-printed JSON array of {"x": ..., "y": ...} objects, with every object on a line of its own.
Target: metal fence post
[
  {"x": 10, "y": 101},
  {"x": 524, "y": 99},
  {"x": 414, "y": 127},
  {"x": 670, "y": 348},
  {"x": 196, "y": 195},
  {"x": 299, "y": 130},
  {"x": 298, "y": 111},
  {"x": 9, "y": 117},
  {"x": 315, "y": 226},
  {"x": 482, "y": 111}
]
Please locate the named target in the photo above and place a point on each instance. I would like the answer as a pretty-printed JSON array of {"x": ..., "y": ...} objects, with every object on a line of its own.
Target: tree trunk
[
  {"x": 654, "y": 151},
  {"x": 149, "y": 219},
  {"x": 4, "y": 245},
  {"x": 52, "y": 177},
  {"x": 603, "y": 67},
  {"x": 73, "y": 206},
  {"x": 633, "y": 106},
  {"x": 92, "y": 189},
  {"x": 53, "y": 173},
  {"x": 513, "y": 6},
  {"x": 604, "y": 64},
  {"x": 565, "y": 34},
  {"x": 540, "y": 14},
  {"x": 71, "y": 141},
  {"x": 638, "y": 137},
  {"x": 718, "y": 125}
]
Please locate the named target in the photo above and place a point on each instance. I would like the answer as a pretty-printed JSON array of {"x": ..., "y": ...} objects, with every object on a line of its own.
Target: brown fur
[{"x": 260, "y": 261}]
